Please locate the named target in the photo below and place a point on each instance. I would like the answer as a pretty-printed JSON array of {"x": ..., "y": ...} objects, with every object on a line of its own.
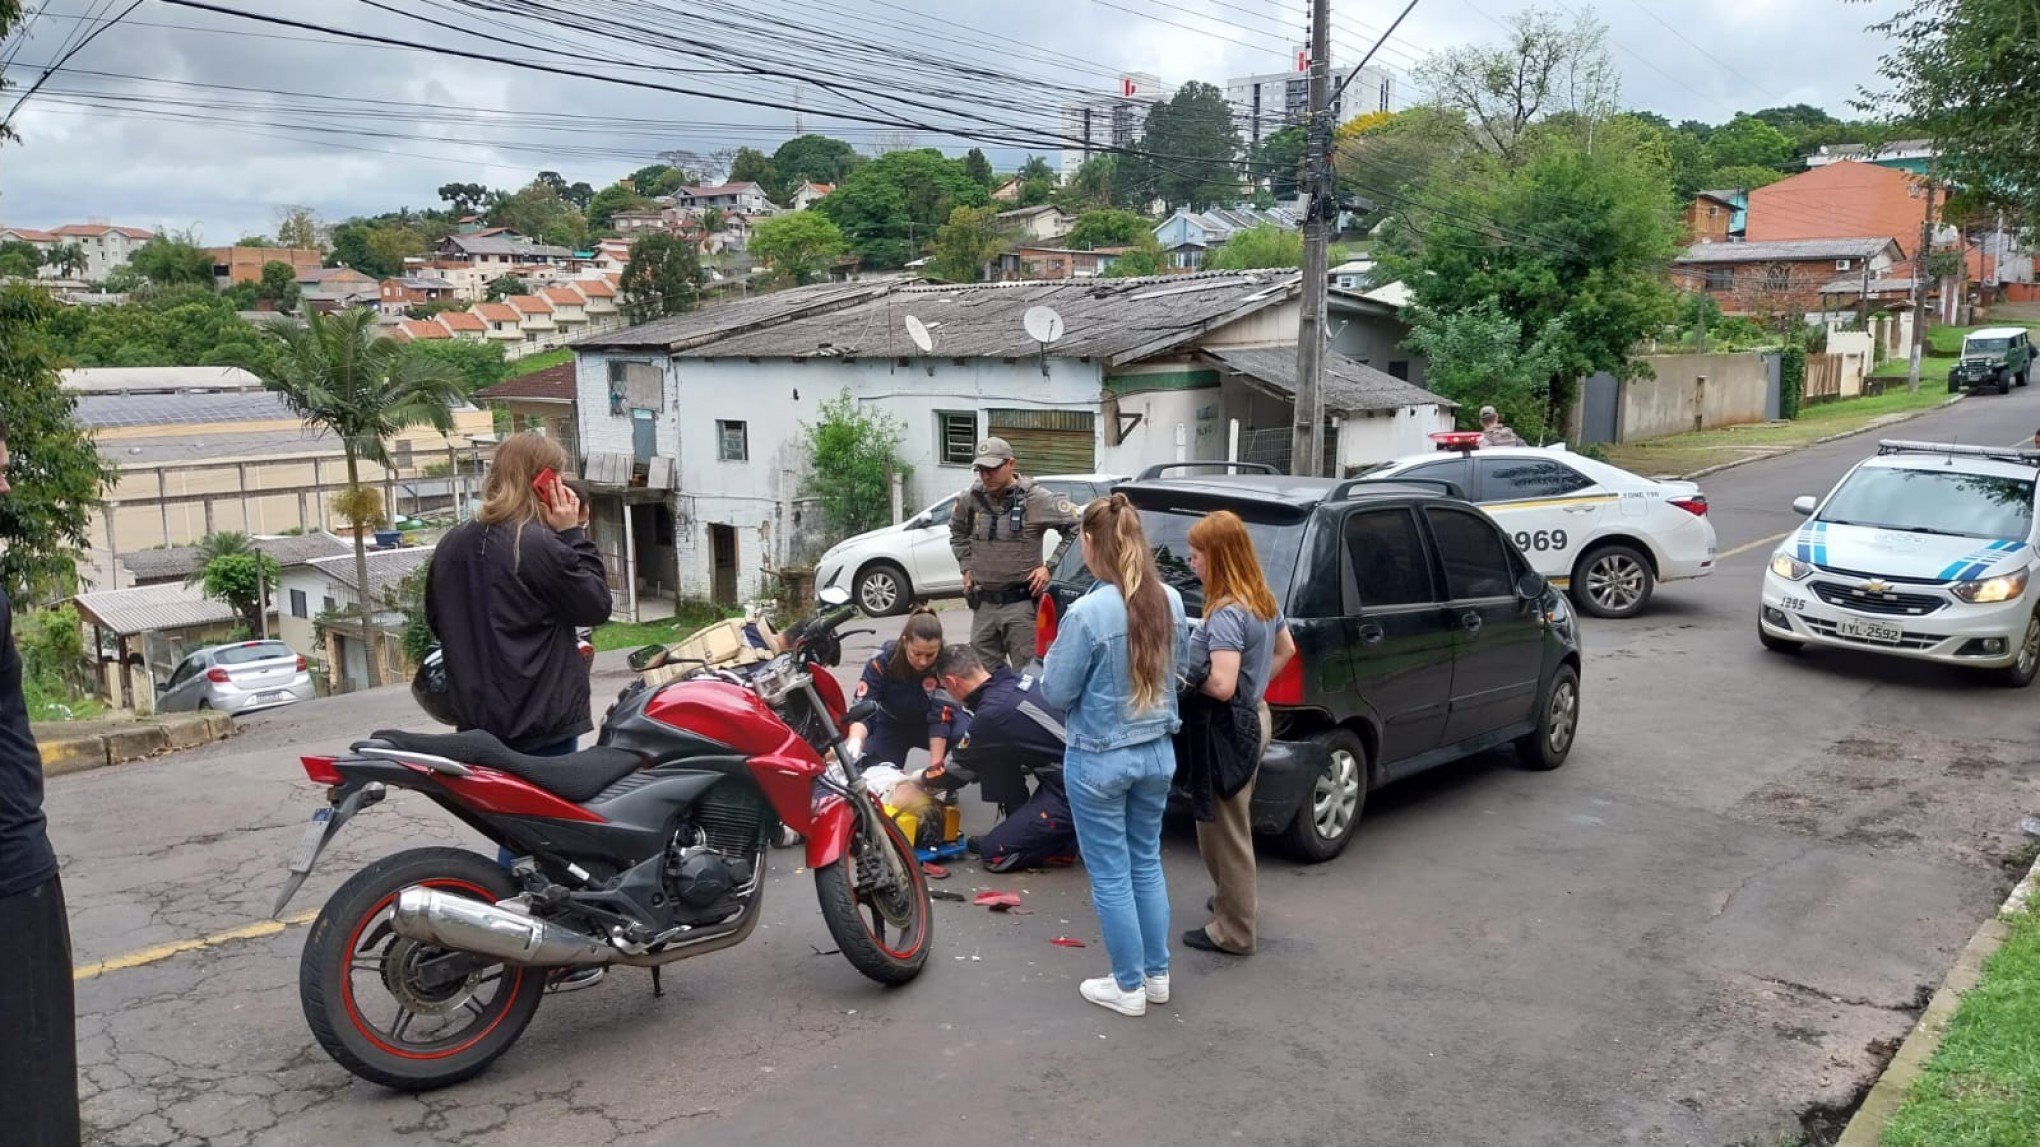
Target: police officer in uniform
[{"x": 996, "y": 534}]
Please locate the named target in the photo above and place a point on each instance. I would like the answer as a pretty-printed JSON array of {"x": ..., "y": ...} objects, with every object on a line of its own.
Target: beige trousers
[{"x": 1227, "y": 844}]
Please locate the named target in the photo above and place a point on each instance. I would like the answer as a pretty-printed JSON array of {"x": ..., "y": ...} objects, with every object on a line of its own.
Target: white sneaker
[
  {"x": 1106, "y": 993},
  {"x": 1157, "y": 988}
]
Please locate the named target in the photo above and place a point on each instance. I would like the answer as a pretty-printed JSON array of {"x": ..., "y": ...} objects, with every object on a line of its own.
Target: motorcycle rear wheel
[
  {"x": 885, "y": 932},
  {"x": 356, "y": 972}
]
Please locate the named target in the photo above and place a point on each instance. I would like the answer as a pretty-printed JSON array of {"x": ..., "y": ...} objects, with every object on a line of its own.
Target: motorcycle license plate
[
  {"x": 1875, "y": 631},
  {"x": 307, "y": 851}
]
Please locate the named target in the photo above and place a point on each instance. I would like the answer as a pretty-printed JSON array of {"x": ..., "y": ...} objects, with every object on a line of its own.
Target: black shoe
[
  {"x": 970, "y": 845},
  {"x": 1201, "y": 940}
]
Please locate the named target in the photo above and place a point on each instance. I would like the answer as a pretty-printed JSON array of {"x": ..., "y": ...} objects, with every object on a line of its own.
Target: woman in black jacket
[{"x": 506, "y": 592}]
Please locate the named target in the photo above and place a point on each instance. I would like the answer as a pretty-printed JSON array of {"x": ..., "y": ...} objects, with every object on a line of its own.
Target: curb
[
  {"x": 1894, "y": 421},
  {"x": 1905, "y": 1068},
  {"x": 146, "y": 738}
]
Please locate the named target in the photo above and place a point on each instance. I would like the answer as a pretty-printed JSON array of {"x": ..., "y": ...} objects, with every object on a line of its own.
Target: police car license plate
[{"x": 1869, "y": 631}]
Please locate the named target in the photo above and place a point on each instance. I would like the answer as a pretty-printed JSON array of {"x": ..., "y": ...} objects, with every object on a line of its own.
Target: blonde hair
[
  {"x": 507, "y": 493},
  {"x": 1232, "y": 569},
  {"x": 1121, "y": 554}
]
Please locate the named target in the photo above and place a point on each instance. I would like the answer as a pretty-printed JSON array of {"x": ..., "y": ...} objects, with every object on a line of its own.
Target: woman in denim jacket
[{"x": 1113, "y": 670}]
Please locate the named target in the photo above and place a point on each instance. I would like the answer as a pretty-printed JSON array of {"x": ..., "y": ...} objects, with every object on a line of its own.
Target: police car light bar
[
  {"x": 2011, "y": 454},
  {"x": 1464, "y": 441}
]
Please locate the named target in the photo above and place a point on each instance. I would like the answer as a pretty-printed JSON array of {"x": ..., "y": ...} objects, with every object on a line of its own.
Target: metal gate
[
  {"x": 1600, "y": 403},
  {"x": 1048, "y": 441},
  {"x": 1274, "y": 445},
  {"x": 1774, "y": 388}
]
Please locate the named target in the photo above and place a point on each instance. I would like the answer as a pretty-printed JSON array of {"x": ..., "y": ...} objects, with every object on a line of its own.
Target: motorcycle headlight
[
  {"x": 1789, "y": 567},
  {"x": 1992, "y": 589}
]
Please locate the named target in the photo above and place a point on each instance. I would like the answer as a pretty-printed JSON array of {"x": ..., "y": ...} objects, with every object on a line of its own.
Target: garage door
[{"x": 1048, "y": 441}]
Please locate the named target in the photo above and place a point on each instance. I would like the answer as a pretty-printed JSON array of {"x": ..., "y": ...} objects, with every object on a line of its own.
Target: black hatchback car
[{"x": 1422, "y": 634}]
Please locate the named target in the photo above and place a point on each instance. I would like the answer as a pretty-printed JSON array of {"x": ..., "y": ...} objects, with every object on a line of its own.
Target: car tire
[
  {"x": 2021, "y": 672},
  {"x": 882, "y": 590},
  {"x": 1777, "y": 644},
  {"x": 2004, "y": 383},
  {"x": 1331, "y": 806},
  {"x": 1614, "y": 580},
  {"x": 1558, "y": 723}
]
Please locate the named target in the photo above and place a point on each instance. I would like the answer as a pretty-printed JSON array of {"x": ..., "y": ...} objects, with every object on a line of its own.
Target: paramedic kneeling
[{"x": 1014, "y": 732}]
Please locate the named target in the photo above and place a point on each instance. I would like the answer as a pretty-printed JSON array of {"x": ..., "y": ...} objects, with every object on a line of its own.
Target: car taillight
[
  {"x": 1695, "y": 505},
  {"x": 1287, "y": 686},
  {"x": 216, "y": 675},
  {"x": 302, "y": 664},
  {"x": 322, "y": 770},
  {"x": 1045, "y": 623}
]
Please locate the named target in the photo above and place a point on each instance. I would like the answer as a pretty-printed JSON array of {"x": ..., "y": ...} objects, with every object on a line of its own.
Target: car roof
[
  {"x": 1949, "y": 462},
  {"x": 1592, "y": 467},
  {"x": 1994, "y": 333},
  {"x": 1277, "y": 490}
]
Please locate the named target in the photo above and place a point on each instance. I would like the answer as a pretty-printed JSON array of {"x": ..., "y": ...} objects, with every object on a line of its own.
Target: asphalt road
[{"x": 1716, "y": 917}]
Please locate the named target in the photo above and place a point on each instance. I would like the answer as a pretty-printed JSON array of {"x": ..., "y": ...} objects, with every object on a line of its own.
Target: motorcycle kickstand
[{"x": 658, "y": 989}]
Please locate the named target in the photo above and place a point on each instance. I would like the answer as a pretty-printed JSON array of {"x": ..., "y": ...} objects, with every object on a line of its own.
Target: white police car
[
  {"x": 1605, "y": 534},
  {"x": 1925, "y": 550}
]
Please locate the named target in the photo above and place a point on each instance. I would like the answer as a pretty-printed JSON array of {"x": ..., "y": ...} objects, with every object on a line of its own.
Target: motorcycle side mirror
[
  {"x": 860, "y": 713},
  {"x": 1804, "y": 504},
  {"x": 1531, "y": 586},
  {"x": 647, "y": 657},
  {"x": 835, "y": 597}
]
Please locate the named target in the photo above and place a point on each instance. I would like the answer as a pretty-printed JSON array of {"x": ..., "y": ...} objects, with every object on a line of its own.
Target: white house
[
  {"x": 105, "y": 246},
  {"x": 810, "y": 193},
  {"x": 747, "y": 197},
  {"x": 314, "y": 597},
  {"x": 1043, "y": 224},
  {"x": 692, "y": 424}
]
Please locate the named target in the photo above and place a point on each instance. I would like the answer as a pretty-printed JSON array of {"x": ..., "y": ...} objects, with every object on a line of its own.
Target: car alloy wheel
[
  {"x": 2029, "y": 648},
  {"x": 1335, "y": 797},
  {"x": 1617, "y": 582},
  {"x": 1562, "y": 716},
  {"x": 881, "y": 591}
]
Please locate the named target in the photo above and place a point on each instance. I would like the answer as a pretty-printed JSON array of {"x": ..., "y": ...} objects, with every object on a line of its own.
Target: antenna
[
  {"x": 923, "y": 336},
  {"x": 1045, "y": 327}
]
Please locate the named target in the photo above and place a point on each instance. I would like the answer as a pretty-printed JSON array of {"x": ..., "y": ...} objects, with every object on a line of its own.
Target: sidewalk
[
  {"x": 74, "y": 746},
  {"x": 1701, "y": 452}
]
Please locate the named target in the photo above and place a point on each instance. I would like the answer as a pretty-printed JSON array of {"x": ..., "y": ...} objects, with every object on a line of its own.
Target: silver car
[{"x": 237, "y": 678}]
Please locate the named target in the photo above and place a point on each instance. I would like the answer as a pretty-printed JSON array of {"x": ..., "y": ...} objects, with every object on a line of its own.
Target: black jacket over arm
[
  {"x": 504, "y": 603},
  {"x": 1217, "y": 749}
]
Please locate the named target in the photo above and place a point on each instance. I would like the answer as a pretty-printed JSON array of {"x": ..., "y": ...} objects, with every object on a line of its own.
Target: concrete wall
[
  {"x": 1855, "y": 349},
  {"x": 1375, "y": 341},
  {"x": 1692, "y": 392},
  {"x": 1380, "y": 436}
]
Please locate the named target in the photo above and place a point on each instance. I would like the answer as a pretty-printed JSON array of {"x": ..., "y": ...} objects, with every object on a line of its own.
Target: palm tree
[
  {"x": 338, "y": 373},
  {"x": 233, "y": 586},
  {"x": 68, "y": 260}
]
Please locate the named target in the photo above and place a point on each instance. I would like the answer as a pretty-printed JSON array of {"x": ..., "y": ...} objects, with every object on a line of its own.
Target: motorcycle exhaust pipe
[{"x": 465, "y": 925}]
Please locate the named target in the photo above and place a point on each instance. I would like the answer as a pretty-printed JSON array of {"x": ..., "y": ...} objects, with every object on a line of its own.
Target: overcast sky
[{"x": 368, "y": 127}]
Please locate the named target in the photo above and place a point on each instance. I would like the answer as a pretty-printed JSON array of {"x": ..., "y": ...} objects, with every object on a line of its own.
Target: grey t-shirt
[{"x": 1234, "y": 627}]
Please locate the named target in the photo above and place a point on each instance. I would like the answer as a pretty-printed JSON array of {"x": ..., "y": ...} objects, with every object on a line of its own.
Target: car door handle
[
  {"x": 1371, "y": 635},
  {"x": 1581, "y": 509},
  {"x": 1471, "y": 621}
]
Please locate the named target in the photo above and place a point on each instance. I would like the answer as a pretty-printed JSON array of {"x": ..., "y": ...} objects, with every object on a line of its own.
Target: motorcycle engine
[{"x": 713, "y": 855}]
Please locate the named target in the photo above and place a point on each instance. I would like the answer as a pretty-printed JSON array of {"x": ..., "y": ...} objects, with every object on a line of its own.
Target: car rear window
[
  {"x": 1277, "y": 541},
  {"x": 254, "y": 651},
  {"x": 1934, "y": 501}
]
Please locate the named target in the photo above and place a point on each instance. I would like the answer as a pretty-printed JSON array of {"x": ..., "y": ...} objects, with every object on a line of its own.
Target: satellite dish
[
  {"x": 918, "y": 331},
  {"x": 1043, "y": 324}
]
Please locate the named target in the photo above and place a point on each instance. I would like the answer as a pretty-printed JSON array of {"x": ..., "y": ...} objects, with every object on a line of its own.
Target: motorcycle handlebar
[{"x": 819, "y": 624}]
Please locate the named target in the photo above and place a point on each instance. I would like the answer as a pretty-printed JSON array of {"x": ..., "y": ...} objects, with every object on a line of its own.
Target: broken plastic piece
[
  {"x": 935, "y": 871},
  {"x": 1068, "y": 942},
  {"x": 945, "y": 894},
  {"x": 997, "y": 901}
]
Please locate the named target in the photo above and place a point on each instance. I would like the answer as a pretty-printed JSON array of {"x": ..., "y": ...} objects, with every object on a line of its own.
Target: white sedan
[
  {"x": 1606, "y": 534},
  {"x": 888, "y": 569}
]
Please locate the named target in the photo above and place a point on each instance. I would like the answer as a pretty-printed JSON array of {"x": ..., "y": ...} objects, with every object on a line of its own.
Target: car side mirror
[
  {"x": 1805, "y": 504},
  {"x": 859, "y": 714},
  {"x": 1531, "y": 586}
]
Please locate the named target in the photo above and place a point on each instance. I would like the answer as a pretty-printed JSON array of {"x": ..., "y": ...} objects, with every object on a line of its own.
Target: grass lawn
[
  {"x": 1685, "y": 453},
  {"x": 630, "y": 635},
  {"x": 1982, "y": 1088},
  {"x": 536, "y": 362}
]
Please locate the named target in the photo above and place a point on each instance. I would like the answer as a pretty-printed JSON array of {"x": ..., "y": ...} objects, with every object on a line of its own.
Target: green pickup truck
[{"x": 1993, "y": 356}]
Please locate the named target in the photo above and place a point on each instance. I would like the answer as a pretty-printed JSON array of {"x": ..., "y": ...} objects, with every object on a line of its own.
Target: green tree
[
  {"x": 853, "y": 455},
  {"x": 656, "y": 179},
  {"x": 1747, "y": 141},
  {"x": 798, "y": 245},
  {"x": 1279, "y": 161},
  {"x": 1037, "y": 182},
  {"x": 1548, "y": 66},
  {"x": 20, "y": 259},
  {"x": 279, "y": 285},
  {"x": 972, "y": 238},
  {"x": 579, "y": 194},
  {"x": 888, "y": 208},
  {"x": 750, "y": 165},
  {"x": 816, "y": 158},
  {"x": 714, "y": 221},
  {"x": 339, "y": 374},
  {"x": 978, "y": 167},
  {"x": 1481, "y": 357},
  {"x": 1961, "y": 73},
  {"x": 57, "y": 472},
  {"x": 478, "y": 364},
  {"x": 178, "y": 326},
  {"x": 503, "y": 286},
  {"x": 68, "y": 259},
  {"x": 540, "y": 212},
  {"x": 1194, "y": 130},
  {"x": 664, "y": 277},
  {"x": 1108, "y": 228},
  {"x": 122, "y": 279},
  {"x": 233, "y": 572},
  {"x": 602, "y": 208},
  {"x": 295, "y": 227},
  {"x": 170, "y": 260},
  {"x": 1092, "y": 187},
  {"x": 375, "y": 248},
  {"x": 407, "y": 599},
  {"x": 1741, "y": 178},
  {"x": 464, "y": 198},
  {"x": 1146, "y": 258},
  {"x": 1263, "y": 245}
]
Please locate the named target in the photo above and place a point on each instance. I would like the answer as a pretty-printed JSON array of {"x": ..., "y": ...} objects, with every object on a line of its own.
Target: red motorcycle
[{"x": 647, "y": 849}]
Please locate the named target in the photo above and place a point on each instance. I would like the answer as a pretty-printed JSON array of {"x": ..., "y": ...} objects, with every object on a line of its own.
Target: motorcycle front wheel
[
  {"x": 881, "y": 923},
  {"x": 401, "y": 1013}
]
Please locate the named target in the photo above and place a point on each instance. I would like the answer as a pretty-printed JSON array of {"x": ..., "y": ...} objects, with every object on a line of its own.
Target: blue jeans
[
  {"x": 1116, "y": 800},
  {"x": 566, "y": 748}
]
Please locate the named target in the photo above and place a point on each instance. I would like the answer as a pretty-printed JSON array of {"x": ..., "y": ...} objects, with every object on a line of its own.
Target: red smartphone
[{"x": 546, "y": 483}]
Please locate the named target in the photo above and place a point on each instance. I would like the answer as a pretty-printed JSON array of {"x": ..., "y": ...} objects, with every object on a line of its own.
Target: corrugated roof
[
  {"x": 149, "y": 609},
  {"x": 1350, "y": 386},
  {"x": 502, "y": 244},
  {"x": 109, "y": 411},
  {"x": 553, "y": 384},
  {"x": 1784, "y": 250},
  {"x": 182, "y": 561},
  {"x": 385, "y": 568},
  {"x": 1103, "y": 318},
  {"x": 1879, "y": 286},
  {"x": 160, "y": 379}
]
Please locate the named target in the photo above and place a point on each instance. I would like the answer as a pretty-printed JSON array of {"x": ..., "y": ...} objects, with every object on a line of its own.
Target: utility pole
[
  {"x": 1307, "y": 437},
  {"x": 1919, "y": 299}
]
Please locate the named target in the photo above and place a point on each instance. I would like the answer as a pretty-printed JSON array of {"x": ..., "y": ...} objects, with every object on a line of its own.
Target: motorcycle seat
[{"x": 575, "y": 777}]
